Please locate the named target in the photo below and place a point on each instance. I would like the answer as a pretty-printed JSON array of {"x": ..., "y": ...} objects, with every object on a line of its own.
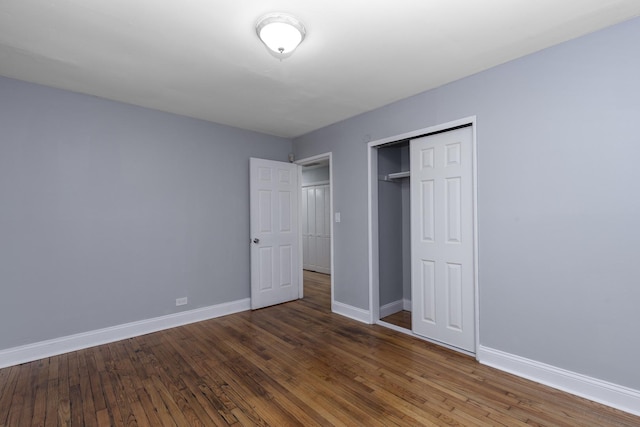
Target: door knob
[{"x": 256, "y": 240}]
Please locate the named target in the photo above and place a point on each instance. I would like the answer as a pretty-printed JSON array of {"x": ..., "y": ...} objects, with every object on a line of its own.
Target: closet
[
  {"x": 425, "y": 235},
  {"x": 394, "y": 231}
]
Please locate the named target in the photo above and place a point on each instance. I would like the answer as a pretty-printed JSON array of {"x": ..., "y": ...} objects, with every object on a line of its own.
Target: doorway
[
  {"x": 432, "y": 178},
  {"x": 316, "y": 218}
]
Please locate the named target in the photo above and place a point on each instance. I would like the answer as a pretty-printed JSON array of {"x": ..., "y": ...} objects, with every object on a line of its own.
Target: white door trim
[
  {"x": 303, "y": 162},
  {"x": 372, "y": 161},
  {"x": 315, "y": 184}
]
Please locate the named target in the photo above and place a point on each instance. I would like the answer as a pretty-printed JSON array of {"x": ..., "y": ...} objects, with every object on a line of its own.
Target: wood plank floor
[
  {"x": 292, "y": 364},
  {"x": 401, "y": 319}
]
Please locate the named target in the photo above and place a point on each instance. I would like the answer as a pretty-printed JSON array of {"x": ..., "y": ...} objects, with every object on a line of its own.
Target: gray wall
[
  {"x": 110, "y": 212},
  {"x": 558, "y": 204}
]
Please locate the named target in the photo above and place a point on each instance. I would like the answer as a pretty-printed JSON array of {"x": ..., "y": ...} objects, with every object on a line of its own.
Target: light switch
[{"x": 337, "y": 216}]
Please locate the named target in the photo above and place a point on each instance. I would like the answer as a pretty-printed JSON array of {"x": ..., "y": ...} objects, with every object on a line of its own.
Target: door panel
[
  {"x": 442, "y": 240},
  {"x": 275, "y": 232},
  {"x": 428, "y": 284}
]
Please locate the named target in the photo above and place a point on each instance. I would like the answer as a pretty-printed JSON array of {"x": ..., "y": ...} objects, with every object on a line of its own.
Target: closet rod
[{"x": 466, "y": 125}]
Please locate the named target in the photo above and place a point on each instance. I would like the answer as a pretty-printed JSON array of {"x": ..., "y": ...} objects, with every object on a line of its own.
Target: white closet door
[
  {"x": 323, "y": 233},
  {"x": 316, "y": 228},
  {"x": 442, "y": 238},
  {"x": 311, "y": 221},
  {"x": 325, "y": 260},
  {"x": 305, "y": 229}
]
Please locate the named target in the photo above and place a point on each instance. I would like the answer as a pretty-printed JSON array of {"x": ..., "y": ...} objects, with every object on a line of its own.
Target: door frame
[
  {"x": 374, "y": 284},
  {"x": 303, "y": 162}
]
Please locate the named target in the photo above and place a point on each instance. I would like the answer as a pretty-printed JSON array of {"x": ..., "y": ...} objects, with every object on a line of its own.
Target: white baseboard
[
  {"x": 54, "y": 347},
  {"x": 616, "y": 396},
  {"x": 351, "y": 312},
  {"x": 406, "y": 304},
  {"x": 391, "y": 308}
]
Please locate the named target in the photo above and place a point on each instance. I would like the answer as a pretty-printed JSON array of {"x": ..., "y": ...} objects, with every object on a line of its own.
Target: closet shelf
[{"x": 399, "y": 175}]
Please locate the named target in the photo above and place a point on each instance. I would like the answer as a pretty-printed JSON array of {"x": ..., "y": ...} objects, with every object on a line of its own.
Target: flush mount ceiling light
[{"x": 280, "y": 33}]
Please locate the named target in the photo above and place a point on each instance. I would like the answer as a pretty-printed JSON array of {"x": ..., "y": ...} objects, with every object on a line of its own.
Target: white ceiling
[{"x": 201, "y": 58}]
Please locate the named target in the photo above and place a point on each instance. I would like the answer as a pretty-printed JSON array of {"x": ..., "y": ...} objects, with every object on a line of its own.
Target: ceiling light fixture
[{"x": 280, "y": 33}]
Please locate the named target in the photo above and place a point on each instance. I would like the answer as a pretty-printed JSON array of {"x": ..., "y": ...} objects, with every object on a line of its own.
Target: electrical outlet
[{"x": 181, "y": 301}]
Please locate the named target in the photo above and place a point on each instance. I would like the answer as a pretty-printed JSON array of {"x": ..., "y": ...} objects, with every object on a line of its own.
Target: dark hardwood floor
[
  {"x": 292, "y": 364},
  {"x": 401, "y": 319}
]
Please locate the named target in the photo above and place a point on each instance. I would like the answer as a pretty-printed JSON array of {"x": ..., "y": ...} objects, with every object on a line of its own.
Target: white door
[
  {"x": 442, "y": 243},
  {"x": 316, "y": 231},
  {"x": 275, "y": 232}
]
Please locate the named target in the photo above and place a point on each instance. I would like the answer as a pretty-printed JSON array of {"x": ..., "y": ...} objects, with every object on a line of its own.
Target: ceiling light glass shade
[{"x": 281, "y": 33}]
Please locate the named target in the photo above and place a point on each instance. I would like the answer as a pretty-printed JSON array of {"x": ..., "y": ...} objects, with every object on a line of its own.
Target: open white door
[
  {"x": 275, "y": 232},
  {"x": 442, "y": 244}
]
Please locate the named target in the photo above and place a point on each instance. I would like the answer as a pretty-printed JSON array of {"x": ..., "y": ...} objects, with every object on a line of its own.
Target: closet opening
[{"x": 394, "y": 234}]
